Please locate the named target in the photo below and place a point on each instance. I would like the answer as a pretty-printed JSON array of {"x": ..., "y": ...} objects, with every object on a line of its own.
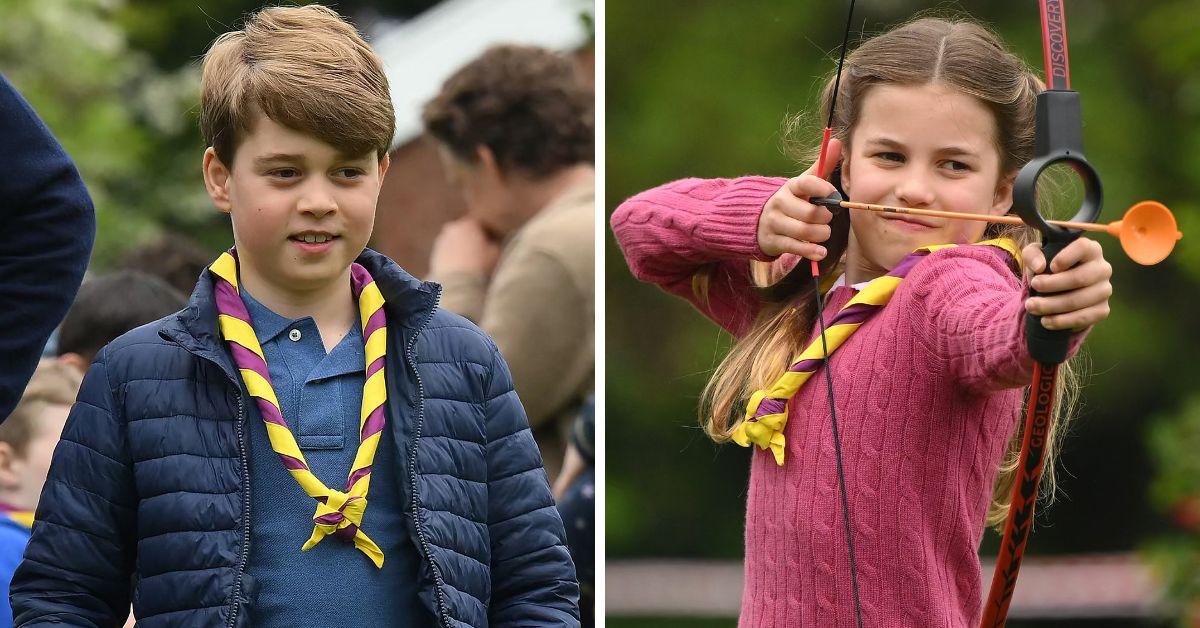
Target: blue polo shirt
[{"x": 333, "y": 583}]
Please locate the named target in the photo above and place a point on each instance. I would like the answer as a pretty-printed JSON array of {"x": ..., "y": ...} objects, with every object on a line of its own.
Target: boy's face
[
  {"x": 22, "y": 476},
  {"x": 301, "y": 211},
  {"x": 928, "y": 147}
]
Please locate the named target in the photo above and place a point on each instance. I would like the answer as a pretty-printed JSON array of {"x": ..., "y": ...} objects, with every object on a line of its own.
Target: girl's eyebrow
[{"x": 954, "y": 151}]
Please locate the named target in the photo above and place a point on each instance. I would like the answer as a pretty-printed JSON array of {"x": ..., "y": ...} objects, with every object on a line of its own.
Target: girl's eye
[
  {"x": 889, "y": 156},
  {"x": 957, "y": 166}
]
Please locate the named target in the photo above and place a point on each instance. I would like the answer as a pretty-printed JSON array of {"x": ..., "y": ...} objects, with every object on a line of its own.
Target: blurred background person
[
  {"x": 173, "y": 257},
  {"x": 110, "y": 305},
  {"x": 27, "y": 440},
  {"x": 516, "y": 132}
]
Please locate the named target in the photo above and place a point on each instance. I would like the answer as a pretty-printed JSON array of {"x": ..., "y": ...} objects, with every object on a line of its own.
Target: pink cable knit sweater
[{"x": 928, "y": 394}]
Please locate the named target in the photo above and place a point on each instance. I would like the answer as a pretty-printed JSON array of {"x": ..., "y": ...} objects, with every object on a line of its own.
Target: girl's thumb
[{"x": 828, "y": 161}]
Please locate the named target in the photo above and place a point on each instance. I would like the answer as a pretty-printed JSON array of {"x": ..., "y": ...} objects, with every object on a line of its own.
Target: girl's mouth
[{"x": 908, "y": 224}]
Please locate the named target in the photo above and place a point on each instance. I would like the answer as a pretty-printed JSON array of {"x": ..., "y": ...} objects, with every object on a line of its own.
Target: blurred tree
[{"x": 118, "y": 83}]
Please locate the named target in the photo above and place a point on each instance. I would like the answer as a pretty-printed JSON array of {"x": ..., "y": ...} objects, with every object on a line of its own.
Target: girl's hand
[
  {"x": 791, "y": 224},
  {"x": 1079, "y": 277}
]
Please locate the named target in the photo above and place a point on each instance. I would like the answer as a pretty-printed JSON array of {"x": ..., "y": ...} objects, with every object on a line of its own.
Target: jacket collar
[{"x": 409, "y": 302}]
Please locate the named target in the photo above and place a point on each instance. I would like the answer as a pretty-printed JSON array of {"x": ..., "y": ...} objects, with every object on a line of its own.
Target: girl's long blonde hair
[{"x": 955, "y": 53}]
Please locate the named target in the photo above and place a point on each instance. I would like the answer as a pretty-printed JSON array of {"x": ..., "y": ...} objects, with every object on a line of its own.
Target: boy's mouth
[{"x": 312, "y": 237}]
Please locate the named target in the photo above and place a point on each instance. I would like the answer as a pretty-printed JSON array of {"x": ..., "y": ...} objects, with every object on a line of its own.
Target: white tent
[{"x": 420, "y": 54}]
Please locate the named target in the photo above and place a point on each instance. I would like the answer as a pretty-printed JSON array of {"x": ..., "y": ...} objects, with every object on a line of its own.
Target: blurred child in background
[{"x": 27, "y": 440}]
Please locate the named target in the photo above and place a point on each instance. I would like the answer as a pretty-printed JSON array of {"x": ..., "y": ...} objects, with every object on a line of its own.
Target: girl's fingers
[
  {"x": 808, "y": 186},
  {"x": 1074, "y": 300},
  {"x": 807, "y": 250},
  {"x": 799, "y": 229},
  {"x": 1032, "y": 258},
  {"x": 1079, "y": 319},
  {"x": 801, "y": 209},
  {"x": 1086, "y": 274},
  {"x": 1082, "y": 249}
]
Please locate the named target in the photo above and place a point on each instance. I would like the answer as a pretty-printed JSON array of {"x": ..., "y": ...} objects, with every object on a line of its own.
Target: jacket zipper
[
  {"x": 444, "y": 614},
  {"x": 245, "y": 554},
  {"x": 241, "y": 434}
]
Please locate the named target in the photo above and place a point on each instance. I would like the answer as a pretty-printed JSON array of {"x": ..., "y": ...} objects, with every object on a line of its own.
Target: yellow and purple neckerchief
[
  {"x": 22, "y": 517},
  {"x": 767, "y": 410},
  {"x": 338, "y": 513}
]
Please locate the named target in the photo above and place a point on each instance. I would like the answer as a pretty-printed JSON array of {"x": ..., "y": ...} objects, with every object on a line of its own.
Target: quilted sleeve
[
  {"x": 79, "y": 560},
  {"x": 533, "y": 579},
  {"x": 47, "y": 226}
]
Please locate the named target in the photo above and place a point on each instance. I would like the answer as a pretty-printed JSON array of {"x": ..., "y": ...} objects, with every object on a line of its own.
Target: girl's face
[{"x": 929, "y": 147}]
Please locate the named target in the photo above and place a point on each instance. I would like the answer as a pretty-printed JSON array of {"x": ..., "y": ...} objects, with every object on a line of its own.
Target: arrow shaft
[{"x": 937, "y": 213}]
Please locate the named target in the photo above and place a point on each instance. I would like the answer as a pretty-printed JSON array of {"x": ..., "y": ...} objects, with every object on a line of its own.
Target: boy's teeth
[{"x": 311, "y": 239}]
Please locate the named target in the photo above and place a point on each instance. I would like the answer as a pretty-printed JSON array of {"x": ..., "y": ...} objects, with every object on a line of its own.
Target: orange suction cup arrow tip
[{"x": 1148, "y": 232}]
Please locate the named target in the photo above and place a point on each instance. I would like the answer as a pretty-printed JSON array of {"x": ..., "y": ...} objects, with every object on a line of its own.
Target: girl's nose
[{"x": 914, "y": 191}]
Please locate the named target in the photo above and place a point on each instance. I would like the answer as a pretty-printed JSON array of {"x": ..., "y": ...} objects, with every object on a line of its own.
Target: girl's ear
[
  {"x": 841, "y": 176},
  {"x": 1002, "y": 203}
]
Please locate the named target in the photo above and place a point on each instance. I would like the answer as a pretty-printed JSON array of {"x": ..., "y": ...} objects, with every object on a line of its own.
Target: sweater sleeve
[
  {"x": 533, "y": 578},
  {"x": 48, "y": 226},
  {"x": 673, "y": 233},
  {"x": 80, "y": 556},
  {"x": 968, "y": 308}
]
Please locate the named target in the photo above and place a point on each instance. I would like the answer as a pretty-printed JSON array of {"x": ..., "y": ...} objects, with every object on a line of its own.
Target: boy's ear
[
  {"x": 75, "y": 361},
  {"x": 10, "y": 478},
  {"x": 383, "y": 166},
  {"x": 216, "y": 180},
  {"x": 1003, "y": 201},
  {"x": 486, "y": 163}
]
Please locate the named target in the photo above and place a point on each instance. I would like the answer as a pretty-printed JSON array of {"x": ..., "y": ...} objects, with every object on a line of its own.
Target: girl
[{"x": 928, "y": 390}]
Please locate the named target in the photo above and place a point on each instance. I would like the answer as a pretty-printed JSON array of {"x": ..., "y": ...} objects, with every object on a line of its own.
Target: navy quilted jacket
[{"x": 148, "y": 493}]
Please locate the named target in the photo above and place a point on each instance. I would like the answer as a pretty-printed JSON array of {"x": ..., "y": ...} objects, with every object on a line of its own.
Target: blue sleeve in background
[
  {"x": 47, "y": 227},
  {"x": 13, "y": 538}
]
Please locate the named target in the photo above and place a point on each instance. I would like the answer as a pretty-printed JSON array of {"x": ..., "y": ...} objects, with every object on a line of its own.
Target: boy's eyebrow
[
  {"x": 290, "y": 158},
  {"x": 888, "y": 142},
  {"x": 278, "y": 158}
]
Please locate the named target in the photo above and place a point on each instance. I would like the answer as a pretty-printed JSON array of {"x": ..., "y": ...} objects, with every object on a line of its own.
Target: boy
[
  {"x": 202, "y": 444},
  {"x": 27, "y": 439}
]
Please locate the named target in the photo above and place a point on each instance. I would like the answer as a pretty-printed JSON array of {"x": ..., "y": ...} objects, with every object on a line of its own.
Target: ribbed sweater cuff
[{"x": 733, "y": 225}]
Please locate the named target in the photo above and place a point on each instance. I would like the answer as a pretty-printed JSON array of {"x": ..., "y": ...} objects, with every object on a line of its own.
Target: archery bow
[{"x": 1058, "y": 140}]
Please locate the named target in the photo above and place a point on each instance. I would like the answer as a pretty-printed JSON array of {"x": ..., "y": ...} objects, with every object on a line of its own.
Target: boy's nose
[{"x": 317, "y": 204}]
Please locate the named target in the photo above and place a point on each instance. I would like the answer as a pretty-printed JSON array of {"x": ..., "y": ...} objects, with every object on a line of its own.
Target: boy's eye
[
  {"x": 285, "y": 173},
  {"x": 351, "y": 173}
]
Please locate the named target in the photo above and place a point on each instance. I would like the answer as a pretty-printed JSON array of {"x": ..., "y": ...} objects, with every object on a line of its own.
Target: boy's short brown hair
[
  {"x": 526, "y": 104},
  {"x": 53, "y": 383},
  {"x": 303, "y": 67}
]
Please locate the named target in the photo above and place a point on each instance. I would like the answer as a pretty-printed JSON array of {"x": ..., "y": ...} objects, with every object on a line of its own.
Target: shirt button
[{"x": 294, "y": 335}]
